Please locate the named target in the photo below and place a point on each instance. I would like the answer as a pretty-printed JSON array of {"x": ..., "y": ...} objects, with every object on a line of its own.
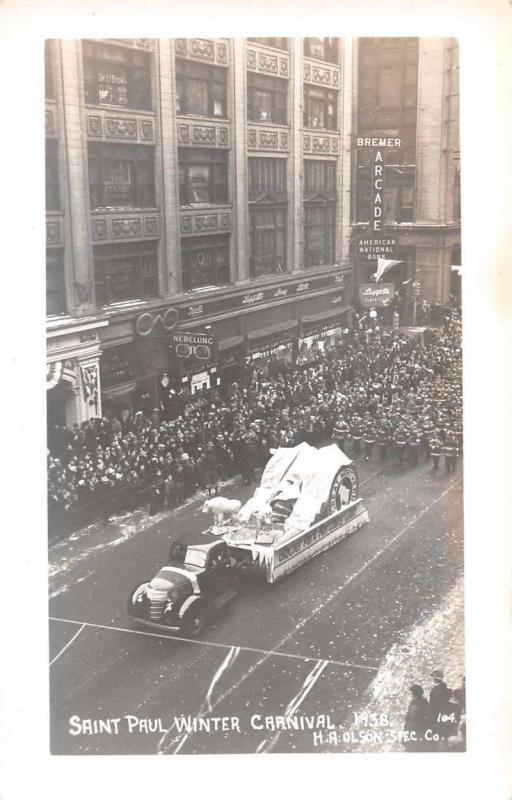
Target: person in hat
[
  {"x": 416, "y": 720},
  {"x": 440, "y": 708}
]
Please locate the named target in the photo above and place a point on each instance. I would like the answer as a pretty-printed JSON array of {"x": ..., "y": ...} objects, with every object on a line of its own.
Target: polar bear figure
[{"x": 221, "y": 508}]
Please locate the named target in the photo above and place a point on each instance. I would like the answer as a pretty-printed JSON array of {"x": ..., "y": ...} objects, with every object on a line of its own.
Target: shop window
[
  {"x": 266, "y": 99},
  {"x": 55, "y": 285},
  {"x": 49, "y": 86},
  {"x": 201, "y": 89},
  {"x": 203, "y": 176},
  {"x": 116, "y": 76},
  {"x": 320, "y": 107},
  {"x": 125, "y": 272},
  {"x": 205, "y": 261},
  {"x": 280, "y": 42},
  {"x": 121, "y": 176},
  {"x": 52, "y": 176},
  {"x": 267, "y": 239},
  {"x": 267, "y": 176},
  {"x": 321, "y": 49},
  {"x": 319, "y": 234}
]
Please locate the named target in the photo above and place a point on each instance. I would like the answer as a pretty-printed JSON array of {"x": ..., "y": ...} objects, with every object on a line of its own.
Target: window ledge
[
  {"x": 124, "y": 210},
  {"x": 122, "y": 109},
  {"x": 269, "y": 124}
]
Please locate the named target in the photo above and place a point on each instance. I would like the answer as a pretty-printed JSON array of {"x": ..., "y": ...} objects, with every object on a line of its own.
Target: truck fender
[{"x": 194, "y": 598}]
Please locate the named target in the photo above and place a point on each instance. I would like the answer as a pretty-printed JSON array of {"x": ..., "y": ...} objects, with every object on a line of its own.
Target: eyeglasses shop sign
[
  {"x": 201, "y": 346},
  {"x": 374, "y": 295}
]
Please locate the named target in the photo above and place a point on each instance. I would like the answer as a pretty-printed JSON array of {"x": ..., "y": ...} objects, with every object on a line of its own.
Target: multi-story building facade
[{"x": 213, "y": 186}]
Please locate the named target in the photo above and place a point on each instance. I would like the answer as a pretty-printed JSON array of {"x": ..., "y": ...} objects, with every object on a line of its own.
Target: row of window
[
  {"x": 122, "y": 77},
  {"x": 124, "y": 272},
  {"x": 122, "y": 176}
]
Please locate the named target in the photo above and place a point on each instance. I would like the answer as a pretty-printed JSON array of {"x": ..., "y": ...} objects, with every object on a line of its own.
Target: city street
[{"x": 314, "y": 643}]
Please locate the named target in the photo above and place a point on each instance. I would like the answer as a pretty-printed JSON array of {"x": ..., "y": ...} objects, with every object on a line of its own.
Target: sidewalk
[{"x": 437, "y": 643}]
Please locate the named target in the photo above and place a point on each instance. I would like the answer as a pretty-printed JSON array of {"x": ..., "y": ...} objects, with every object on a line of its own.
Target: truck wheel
[{"x": 193, "y": 622}]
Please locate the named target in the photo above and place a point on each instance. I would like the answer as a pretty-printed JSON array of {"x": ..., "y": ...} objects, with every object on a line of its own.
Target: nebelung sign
[
  {"x": 199, "y": 345},
  {"x": 373, "y": 295}
]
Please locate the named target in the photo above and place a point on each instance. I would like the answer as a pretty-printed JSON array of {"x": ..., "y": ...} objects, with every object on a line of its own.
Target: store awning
[
  {"x": 228, "y": 344},
  {"x": 325, "y": 315},
  {"x": 273, "y": 330},
  {"x": 120, "y": 389}
]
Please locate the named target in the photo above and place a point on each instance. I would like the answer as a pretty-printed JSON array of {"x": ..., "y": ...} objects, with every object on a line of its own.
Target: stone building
[{"x": 210, "y": 192}]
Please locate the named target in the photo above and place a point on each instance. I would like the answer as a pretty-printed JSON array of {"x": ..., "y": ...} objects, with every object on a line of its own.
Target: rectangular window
[
  {"x": 267, "y": 240},
  {"x": 125, "y": 272},
  {"x": 280, "y": 42},
  {"x": 398, "y": 195},
  {"x": 203, "y": 176},
  {"x": 116, "y": 76},
  {"x": 205, "y": 261},
  {"x": 266, "y": 99},
  {"x": 267, "y": 176},
  {"x": 52, "y": 176},
  {"x": 55, "y": 285},
  {"x": 201, "y": 89},
  {"x": 321, "y": 49},
  {"x": 320, "y": 107},
  {"x": 319, "y": 178},
  {"x": 121, "y": 176},
  {"x": 49, "y": 88},
  {"x": 319, "y": 233}
]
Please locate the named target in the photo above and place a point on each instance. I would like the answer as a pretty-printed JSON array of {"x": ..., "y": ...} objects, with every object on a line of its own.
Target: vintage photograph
[{"x": 254, "y": 395}]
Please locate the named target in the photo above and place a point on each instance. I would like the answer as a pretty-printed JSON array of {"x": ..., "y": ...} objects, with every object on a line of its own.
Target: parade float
[{"x": 307, "y": 501}]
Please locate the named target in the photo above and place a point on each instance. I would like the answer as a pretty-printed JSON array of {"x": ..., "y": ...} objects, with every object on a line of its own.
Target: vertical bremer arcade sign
[{"x": 377, "y": 244}]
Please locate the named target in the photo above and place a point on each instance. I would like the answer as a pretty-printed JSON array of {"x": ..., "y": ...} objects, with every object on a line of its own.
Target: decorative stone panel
[
  {"x": 50, "y": 125},
  {"x": 202, "y": 220},
  {"x": 128, "y": 127},
  {"x": 214, "y": 51},
  {"x": 54, "y": 232},
  {"x": 263, "y": 137},
  {"x": 268, "y": 62},
  {"x": 322, "y": 144},
  {"x": 321, "y": 75},
  {"x": 123, "y": 225},
  {"x": 203, "y": 134}
]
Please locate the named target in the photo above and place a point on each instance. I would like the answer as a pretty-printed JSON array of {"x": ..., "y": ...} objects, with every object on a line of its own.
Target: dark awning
[
  {"x": 272, "y": 330},
  {"x": 323, "y": 319},
  {"x": 227, "y": 344}
]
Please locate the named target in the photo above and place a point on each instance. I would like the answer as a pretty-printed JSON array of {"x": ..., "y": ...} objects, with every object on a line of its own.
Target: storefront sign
[
  {"x": 376, "y": 145},
  {"x": 147, "y": 323},
  {"x": 373, "y": 295},
  {"x": 371, "y": 248},
  {"x": 200, "y": 346},
  {"x": 243, "y": 301}
]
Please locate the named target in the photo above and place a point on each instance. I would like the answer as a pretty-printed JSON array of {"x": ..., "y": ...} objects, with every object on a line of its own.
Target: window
[
  {"x": 55, "y": 286},
  {"x": 321, "y": 49},
  {"x": 121, "y": 176},
  {"x": 205, "y": 261},
  {"x": 203, "y": 176},
  {"x": 320, "y": 107},
  {"x": 49, "y": 88},
  {"x": 125, "y": 272},
  {"x": 267, "y": 239},
  {"x": 398, "y": 194},
  {"x": 116, "y": 76},
  {"x": 267, "y": 176},
  {"x": 319, "y": 178},
  {"x": 319, "y": 230},
  {"x": 52, "y": 176},
  {"x": 279, "y": 42},
  {"x": 200, "y": 89},
  {"x": 387, "y": 106},
  {"x": 266, "y": 99},
  {"x": 319, "y": 212}
]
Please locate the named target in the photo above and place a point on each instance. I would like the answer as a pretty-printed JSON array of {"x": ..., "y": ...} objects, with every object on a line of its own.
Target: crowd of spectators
[{"x": 372, "y": 390}]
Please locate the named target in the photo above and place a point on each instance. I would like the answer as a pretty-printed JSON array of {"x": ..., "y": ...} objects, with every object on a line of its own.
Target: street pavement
[{"x": 313, "y": 645}]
